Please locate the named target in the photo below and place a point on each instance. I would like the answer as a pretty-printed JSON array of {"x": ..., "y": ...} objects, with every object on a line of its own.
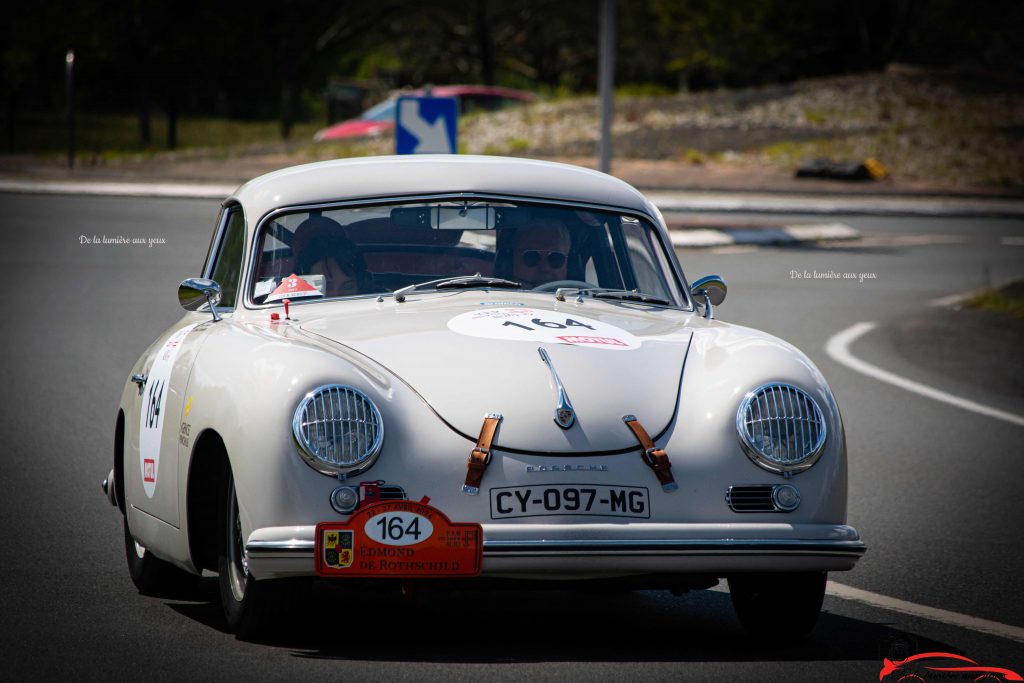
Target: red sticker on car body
[
  {"x": 606, "y": 341},
  {"x": 398, "y": 539}
]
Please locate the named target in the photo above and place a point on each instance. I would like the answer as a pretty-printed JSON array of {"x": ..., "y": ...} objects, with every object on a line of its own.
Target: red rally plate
[{"x": 398, "y": 539}]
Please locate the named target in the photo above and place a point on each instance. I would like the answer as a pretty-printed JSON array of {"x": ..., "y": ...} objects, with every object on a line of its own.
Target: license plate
[
  {"x": 400, "y": 538},
  {"x": 570, "y": 499}
]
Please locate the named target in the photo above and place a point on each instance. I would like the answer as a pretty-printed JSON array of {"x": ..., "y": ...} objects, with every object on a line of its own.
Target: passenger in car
[{"x": 336, "y": 258}]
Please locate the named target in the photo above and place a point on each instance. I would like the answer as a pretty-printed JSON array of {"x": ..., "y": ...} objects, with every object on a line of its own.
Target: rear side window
[{"x": 227, "y": 257}]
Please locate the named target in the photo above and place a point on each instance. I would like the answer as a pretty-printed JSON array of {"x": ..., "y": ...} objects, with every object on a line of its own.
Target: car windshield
[
  {"x": 385, "y": 111},
  {"x": 381, "y": 249}
]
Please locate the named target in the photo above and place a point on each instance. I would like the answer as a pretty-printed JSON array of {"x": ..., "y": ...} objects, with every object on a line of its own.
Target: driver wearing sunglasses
[{"x": 541, "y": 253}]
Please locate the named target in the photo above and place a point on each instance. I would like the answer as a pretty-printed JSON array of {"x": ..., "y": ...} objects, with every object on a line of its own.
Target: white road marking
[
  {"x": 726, "y": 234},
  {"x": 761, "y": 236},
  {"x": 734, "y": 249},
  {"x": 838, "y": 348},
  {"x": 699, "y": 238},
  {"x": 822, "y": 231},
  {"x": 944, "y": 616},
  {"x": 120, "y": 189},
  {"x": 813, "y": 204},
  {"x": 952, "y": 299},
  {"x": 891, "y": 240},
  {"x": 1012, "y": 241}
]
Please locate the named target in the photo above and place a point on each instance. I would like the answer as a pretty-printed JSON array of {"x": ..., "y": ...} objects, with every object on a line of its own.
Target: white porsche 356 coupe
[{"x": 433, "y": 368}]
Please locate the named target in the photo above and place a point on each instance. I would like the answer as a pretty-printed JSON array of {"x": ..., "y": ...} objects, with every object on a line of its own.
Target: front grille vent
[
  {"x": 391, "y": 492},
  {"x": 750, "y": 498}
]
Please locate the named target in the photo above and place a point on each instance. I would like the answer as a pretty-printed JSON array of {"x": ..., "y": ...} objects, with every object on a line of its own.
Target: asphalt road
[{"x": 934, "y": 489}]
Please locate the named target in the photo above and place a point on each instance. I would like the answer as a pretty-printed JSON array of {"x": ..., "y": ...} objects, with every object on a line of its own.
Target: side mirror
[
  {"x": 196, "y": 291},
  {"x": 711, "y": 290}
]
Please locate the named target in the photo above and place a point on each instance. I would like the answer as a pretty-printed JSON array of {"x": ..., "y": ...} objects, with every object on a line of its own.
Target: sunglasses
[{"x": 531, "y": 258}]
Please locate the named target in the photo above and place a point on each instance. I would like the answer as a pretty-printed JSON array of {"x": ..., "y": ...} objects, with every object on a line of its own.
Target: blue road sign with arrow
[{"x": 426, "y": 125}]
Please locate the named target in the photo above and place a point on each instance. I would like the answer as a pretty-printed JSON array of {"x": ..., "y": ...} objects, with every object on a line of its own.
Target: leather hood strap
[
  {"x": 654, "y": 457},
  {"x": 480, "y": 457}
]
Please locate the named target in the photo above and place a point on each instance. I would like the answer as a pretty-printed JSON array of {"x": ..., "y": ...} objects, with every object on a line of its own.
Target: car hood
[{"x": 468, "y": 355}]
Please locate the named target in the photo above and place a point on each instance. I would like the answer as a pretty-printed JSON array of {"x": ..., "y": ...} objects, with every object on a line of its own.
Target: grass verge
[{"x": 1008, "y": 299}]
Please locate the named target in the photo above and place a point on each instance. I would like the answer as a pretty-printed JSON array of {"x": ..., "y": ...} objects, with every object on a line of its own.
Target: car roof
[
  {"x": 460, "y": 90},
  {"x": 430, "y": 174}
]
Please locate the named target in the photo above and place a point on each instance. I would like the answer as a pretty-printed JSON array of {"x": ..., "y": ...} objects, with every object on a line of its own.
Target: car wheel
[
  {"x": 150, "y": 574},
  {"x": 778, "y": 606},
  {"x": 250, "y": 606}
]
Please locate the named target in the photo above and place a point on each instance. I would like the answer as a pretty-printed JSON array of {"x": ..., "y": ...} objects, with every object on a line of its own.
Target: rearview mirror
[
  {"x": 460, "y": 216},
  {"x": 444, "y": 217},
  {"x": 464, "y": 218}
]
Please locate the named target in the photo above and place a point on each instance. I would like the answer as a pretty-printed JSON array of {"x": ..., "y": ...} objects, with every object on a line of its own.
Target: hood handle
[{"x": 565, "y": 415}]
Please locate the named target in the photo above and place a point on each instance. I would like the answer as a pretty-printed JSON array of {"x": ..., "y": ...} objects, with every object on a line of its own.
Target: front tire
[
  {"x": 778, "y": 606},
  {"x": 250, "y": 606},
  {"x": 150, "y": 574}
]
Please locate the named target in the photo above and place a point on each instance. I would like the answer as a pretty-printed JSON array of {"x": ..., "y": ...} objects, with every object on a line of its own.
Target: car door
[
  {"x": 162, "y": 434},
  {"x": 154, "y": 487}
]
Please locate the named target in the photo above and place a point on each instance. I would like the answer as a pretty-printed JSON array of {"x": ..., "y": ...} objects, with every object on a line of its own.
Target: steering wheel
[{"x": 555, "y": 284}]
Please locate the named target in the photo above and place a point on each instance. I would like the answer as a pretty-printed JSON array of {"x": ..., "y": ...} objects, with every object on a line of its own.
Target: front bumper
[{"x": 609, "y": 550}]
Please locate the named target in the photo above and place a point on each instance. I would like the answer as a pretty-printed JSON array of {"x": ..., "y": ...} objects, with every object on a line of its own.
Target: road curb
[
  {"x": 682, "y": 201},
  {"x": 683, "y": 235},
  {"x": 700, "y": 202},
  {"x": 121, "y": 189},
  {"x": 695, "y": 237}
]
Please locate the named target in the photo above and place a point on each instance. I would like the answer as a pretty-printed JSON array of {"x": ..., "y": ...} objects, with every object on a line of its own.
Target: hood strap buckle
[
  {"x": 480, "y": 457},
  {"x": 653, "y": 457}
]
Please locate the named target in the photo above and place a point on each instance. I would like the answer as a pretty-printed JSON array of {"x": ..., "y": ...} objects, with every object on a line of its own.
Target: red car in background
[{"x": 380, "y": 118}]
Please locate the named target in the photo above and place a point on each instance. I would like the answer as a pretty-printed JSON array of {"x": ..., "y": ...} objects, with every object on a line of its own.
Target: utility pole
[
  {"x": 606, "y": 81},
  {"x": 69, "y": 78}
]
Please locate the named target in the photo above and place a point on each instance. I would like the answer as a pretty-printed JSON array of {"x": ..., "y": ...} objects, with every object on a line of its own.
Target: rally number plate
[
  {"x": 570, "y": 499},
  {"x": 398, "y": 539}
]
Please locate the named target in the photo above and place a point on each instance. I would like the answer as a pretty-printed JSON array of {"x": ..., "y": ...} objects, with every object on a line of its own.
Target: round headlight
[
  {"x": 781, "y": 428},
  {"x": 338, "y": 430}
]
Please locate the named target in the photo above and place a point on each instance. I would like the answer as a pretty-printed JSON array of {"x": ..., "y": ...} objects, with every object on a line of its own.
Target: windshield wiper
[
  {"x": 477, "y": 280},
  {"x": 627, "y": 295}
]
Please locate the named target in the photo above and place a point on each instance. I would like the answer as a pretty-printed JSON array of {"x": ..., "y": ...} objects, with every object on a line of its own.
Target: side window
[
  {"x": 648, "y": 269},
  {"x": 227, "y": 258}
]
